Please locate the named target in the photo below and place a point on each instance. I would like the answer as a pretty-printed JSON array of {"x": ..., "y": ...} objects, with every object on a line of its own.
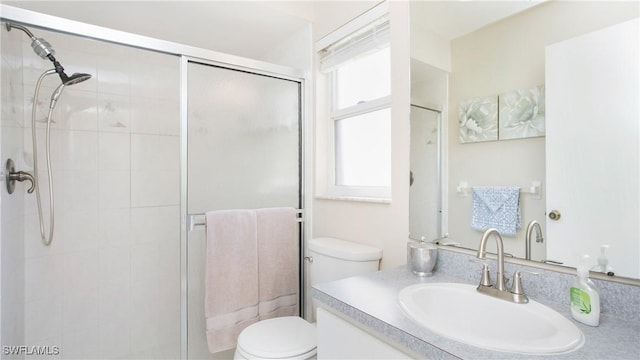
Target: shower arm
[{"x": 20, "y": 27}]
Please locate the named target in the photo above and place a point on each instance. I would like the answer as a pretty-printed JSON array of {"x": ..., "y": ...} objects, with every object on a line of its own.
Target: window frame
[{"x": 382, "y": 193}]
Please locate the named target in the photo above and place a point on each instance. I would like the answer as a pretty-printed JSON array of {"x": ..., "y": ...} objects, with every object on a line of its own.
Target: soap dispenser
[
  {"x": 603, "y": 262},
  {"x": 585, "y": 300}
]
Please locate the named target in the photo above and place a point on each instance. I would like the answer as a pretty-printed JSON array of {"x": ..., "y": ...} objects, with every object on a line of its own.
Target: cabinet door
[
  {"x": 338, "y": 339},
  {"x": 592, "y": 151}
]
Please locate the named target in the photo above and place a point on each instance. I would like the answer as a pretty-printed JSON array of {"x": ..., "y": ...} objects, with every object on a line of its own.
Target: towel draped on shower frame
[{"x": 251, "y": 270}]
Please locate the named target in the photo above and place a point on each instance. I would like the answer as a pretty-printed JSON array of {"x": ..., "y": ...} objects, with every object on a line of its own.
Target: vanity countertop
[{"x": 371, "y": 301}]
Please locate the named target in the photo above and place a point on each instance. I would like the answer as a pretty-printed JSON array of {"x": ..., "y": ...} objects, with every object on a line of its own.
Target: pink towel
[
  {"x": 231, "y": 276},
  {"x": 277, "y": 232}
]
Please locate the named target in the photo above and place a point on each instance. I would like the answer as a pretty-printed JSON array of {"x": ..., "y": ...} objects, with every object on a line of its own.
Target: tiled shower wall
[{"x": 109, "y": 285}]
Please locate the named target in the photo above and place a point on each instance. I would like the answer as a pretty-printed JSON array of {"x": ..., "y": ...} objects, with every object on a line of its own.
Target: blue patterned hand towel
[{"x": 496, "y": 207}]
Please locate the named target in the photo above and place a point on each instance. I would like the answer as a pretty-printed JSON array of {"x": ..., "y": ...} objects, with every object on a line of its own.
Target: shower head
[{"x": 75, "y": 78}]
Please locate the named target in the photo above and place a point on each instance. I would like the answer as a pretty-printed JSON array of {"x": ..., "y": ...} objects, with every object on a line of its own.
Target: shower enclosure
[
  {"x": 159, "y": 135},
  {"x": 425, "y": 177}
]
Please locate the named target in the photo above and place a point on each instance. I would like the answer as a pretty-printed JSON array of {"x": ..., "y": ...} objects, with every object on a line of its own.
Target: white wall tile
[
  {"x": 114, "y": 189},
  {"x": 77, "y": 110},
  {"x": 114, "y": 266},
  {"x": 169, "y": 311},
  {"x": 81, "y": 344},
  {"x": 114, "y": 151},
  {"x": 155, "y": 188},
  {"x": 155, "y": 116},
  {"x": 114, "y": 306},
  {"x": 113, "y": 74},
  {"x": 158, "y": 225},
  {"x": 114, "y": 341},
  {"x": 80, "y": 230},
  {"x": 114, "y": 227},
  {"x": 43, "y": 319},
  {"x": 80, "y": 273},
  {"x": 43, "y": 277},
  {"x": 145, "y": 263},
  {"x": 80, "y": 313},
  {"x": 170, "y": 269},
  {"x": 144, "y": 331},
  {"x": 114, "y": 113},
  {"x": 114, "y": 321},
  {"x": 151, "y": 152},
  {"x": 79, "y": 190},
  {"x": 79, "y": 150},
  {"x": 144, "y": 320}
]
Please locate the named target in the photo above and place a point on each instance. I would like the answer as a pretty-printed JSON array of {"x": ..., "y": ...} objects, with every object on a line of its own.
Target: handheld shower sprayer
[{"x": 44, "y": 49}]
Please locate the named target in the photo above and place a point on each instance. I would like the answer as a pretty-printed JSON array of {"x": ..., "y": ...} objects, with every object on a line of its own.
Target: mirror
[{"x": 487, "y": 61}]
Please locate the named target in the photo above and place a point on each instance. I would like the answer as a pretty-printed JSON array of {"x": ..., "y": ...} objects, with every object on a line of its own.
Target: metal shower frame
[{"x": 188, "y": 53}]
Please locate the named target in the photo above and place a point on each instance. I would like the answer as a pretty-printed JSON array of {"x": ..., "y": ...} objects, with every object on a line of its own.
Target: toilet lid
[{"x": 281, "y": 337}]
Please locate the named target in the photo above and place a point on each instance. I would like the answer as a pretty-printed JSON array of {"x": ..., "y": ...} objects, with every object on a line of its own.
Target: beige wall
[
  {"x": 509, "y": 55},
  {"x": 381, "y": 225}
]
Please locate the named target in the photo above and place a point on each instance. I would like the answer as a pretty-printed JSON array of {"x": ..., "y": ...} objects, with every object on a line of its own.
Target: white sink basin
[{"x": 459, "y": 312}]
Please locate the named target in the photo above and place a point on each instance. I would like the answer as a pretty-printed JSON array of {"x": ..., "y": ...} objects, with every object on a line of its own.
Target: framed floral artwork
[
  {"x": 522, "y": 113},
  {"x": 478, "y": 119}
]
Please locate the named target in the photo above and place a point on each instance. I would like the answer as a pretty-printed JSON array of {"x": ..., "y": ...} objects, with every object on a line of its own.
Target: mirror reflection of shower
[{"x": 44, "y": 49}]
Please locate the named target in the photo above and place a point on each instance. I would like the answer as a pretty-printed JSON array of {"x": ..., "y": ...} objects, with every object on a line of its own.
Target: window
[{"x": 358, "y": 68}]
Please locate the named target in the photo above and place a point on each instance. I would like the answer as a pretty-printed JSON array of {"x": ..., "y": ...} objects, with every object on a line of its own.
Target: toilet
[{"x": 292, "y": 337}]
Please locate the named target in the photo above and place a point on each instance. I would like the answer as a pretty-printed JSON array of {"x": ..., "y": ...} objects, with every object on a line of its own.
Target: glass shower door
[
  {"x": 424, "y": 191},
  {"x": 244, "y": 152}
]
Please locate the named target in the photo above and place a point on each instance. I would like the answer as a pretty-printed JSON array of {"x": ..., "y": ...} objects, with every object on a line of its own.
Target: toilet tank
[{"x": 335, "y": 259}]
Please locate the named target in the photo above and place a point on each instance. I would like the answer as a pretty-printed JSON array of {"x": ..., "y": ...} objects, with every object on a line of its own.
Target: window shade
[{"x": 371, "y": 37}]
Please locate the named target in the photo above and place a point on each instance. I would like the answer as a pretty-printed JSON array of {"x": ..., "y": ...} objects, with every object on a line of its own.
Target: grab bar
[{"x": 198, "y": 219}]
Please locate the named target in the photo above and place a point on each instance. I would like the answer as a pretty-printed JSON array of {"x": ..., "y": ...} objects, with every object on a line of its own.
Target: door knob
[{"x": 554, "y": 215}]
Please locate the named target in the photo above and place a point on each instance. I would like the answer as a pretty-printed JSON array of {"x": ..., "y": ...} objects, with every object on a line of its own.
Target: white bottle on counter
[
  {"x": 603, "y": 262},
  {"x": 585, "y": 300}
]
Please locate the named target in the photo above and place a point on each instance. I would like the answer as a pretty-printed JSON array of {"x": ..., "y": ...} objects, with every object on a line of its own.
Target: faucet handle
[
  {"x": 485, "y": 280},
  {"x": 516, "y": 287}
]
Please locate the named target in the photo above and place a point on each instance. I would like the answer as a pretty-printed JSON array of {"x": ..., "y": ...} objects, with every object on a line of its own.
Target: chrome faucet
[
  {"x": 527, "y": 240},
  {"x": 500, "y": 285},
  {"x": 516, "y": 294}
]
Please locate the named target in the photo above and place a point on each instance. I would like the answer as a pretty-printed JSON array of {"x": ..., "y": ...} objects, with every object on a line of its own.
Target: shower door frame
[
  {"x": 188, "y": 53},
  {"x": 187, "y": 221}
]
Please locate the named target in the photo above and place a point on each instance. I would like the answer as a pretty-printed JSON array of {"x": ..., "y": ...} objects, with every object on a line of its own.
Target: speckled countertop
[{"x": 371, "y": 301}]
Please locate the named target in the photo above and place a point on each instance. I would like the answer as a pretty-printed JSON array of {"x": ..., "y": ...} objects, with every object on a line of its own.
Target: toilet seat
[{"x": 289, "y": 337}]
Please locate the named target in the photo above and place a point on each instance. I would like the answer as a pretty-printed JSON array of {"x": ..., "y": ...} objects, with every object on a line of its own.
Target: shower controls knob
[{"x": 13, "y": 176}]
